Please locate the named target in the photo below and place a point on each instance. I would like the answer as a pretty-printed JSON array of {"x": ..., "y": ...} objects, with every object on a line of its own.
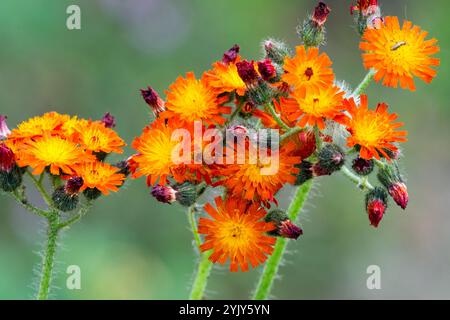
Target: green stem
[
  {"x": 81, "y": 213},
  {"x": 361, "y": 182},
  {"x": 191, "y": 216},
  {"x": 19, "y": 196},
  {"x": 276, "y": 117},
  {"x": 41, "y": 189},
  {"x": 317, "y": 136},
  {"x": 49, "y": 257},
  {"x": 291, "y": 132},
  {"x": 271, "y": 268},
  {"x": 364, "y": 83}
]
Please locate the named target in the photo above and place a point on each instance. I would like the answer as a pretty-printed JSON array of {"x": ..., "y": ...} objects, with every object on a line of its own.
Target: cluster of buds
[
  {"x": 312, "y": 31},
  {"x": 331, "y": 158},
  {"x": 258, "y": 90},
  {"x": 66, "y": 197},
  {"x": 367, "y": 15},
  {"x": 284, "y": 227},
  {"x": 186, "y": 194}
]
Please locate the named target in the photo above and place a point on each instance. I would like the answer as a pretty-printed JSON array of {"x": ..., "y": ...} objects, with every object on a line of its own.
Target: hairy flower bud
[
  {"x": 247, "y": 72},
  {"x": 376, "y": 205},
  {"x": 66, "y": 198},
  {"x": 152, "y": 98},
  {"x": 4, "y": 130},
  {"x": 391, "y": 179},
  {"x": 7, "y": 159},
  {"x": 185, "y": 193},
  {"x": 305, "y": 174},
  {"x": 11, "y": 180},
  {"x": 164, "y": 194},
  {"x": 109, "y": 120},
  {"x": 276, "y": 51},
  {"x": 231, "y": 55},
  {"x": 267, "y": 70},
  {"x": 307, "y": 140},
  {"x": 284, "y": 226},
  {"x": 362, "y": 166},
  {"x": 321, "y": 13},
  {"x": 331, "y": 159},
  {"x": 312, "y": 31},
  {"x": 73, "y": 186}
]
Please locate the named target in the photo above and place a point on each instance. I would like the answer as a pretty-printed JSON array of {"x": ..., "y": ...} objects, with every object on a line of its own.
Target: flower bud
[
  {"x": 247, "y": 72},
  {"x": 362, "y": 166},
  {"x": 124, "y": 167},
  {"x": 11, "y": 180},
  {"x": 331, "y": 159},
  {"x": 109, "y": 120},
  {"x": 267, "y": 70},
  {"x": 307, "y": 140},
  {"x": 73, "y": 186},
  {"x": 4, "y": 130},
  {"x": 376, "y": 205},
  {"x": 391, "y": 179},
  {"x": 312, "y": 31},
  {"x": 305, "y": 174},
  {"x": 231, "y": 55},
  {"x": 7, "y": 159},
  {"x": 187, "y": 193},
  {"x": 284, "y": 226},
  {"x": 92, "y": 193},
  {"x": 152, "y": 98},
  {"x": 276, "y": 51},
  {"x": 164, "y": 194},
  {"x": 66, "y": 198}
]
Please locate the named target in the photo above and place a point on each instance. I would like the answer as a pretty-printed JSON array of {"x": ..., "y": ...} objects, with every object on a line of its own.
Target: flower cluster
[
  {"x": 70, "y": 150},
  {"x": 319, "y": 123}
]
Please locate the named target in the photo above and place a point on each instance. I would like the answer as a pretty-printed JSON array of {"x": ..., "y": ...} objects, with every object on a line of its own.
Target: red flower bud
[
  {"x": 73, "y": 186},
  {"x": 307, "y": 141},
  {"x": 362, "y": 166},
  {"x": 7, "y": 159},
  {"x": 267, "y": 70},
  {"x": 108, "y": 120},
  {"x": 231, "y": 55},
  {"x": 4, "y": 130},
  {"x": 247, "y": 72},
  {"x": 321, "y": 13},
  {"x": 164, "y": 194},
  {"x": 152, "y": 98},
  {"x": 399, "y": 192},
  {"x": 376, "y": 205},
  {"x": 289, "y": 230}
]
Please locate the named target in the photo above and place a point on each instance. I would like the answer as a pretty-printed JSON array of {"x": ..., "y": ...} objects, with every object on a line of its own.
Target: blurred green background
[{"x": 130, "y": 246}]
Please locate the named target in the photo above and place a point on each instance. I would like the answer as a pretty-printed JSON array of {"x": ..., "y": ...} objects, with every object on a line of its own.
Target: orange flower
[
  {"x": 308, "y": 70},
  {"x": 192, "y": 100},
  {"x": 399, "y": 53},
  {"x": 50, "y": 122},
  {"x": 95, "y": 137},
  {"x": 259, "y": 180},
  {"x": 225, "y": 77},
  {"x": 312, "y": 108},
  {"x": 374, "y": 131},
  {"x": 99, "y": 175},
  {"x": 155, "y": 149},
  {"x": 237, "y": 233},
  {"x": 59, "y": 154}
]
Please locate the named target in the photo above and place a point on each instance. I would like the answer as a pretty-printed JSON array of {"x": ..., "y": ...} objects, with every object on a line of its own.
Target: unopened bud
[
  {"x": 307, "y": 141},
  {"x": 247, "y": 72},
  {"x": 321, "y": 13},
  {"x": 284, "y": 226},
  {"x": 267, "y": 70},
  {"x": 187, "y": 193},
  {"x": 124, "y": 167},
  {"x": 4, "y": 130},
  {"x": 276, "y": 51},
  {"x": 391, "y": 179},
  {"x": 331, "y": 159},
  {"x": 73, "y": 185},
  {"x": 7, "y": 158},
  {"x": 64, "y": 199},
  {"x": 109, "y": 120},
  {"x": 362, "y": 166},
  {"x": 376, "y": 205},
  {"x": 11, "y": 180},
  {"x": 305, "y": 173},
  {"x": 231, "y": 55},
  {"x": 164, "y": 194},
  {"x": 152, "y": 98},
  {"x": 312, "y": 31}
]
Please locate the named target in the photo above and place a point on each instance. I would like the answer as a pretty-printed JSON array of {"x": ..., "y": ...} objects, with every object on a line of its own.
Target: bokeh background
[{"x": 129, "y": 246}]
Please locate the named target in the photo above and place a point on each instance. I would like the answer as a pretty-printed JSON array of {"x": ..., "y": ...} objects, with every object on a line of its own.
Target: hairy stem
[
  {"x": 19, "y": 196},
  {"x": 270, "y": 271},
  {"x": 41, "y": 189},
  {"x": 361, "y": 182},
  {"x": 80, "y": 214},
  {"x": 364, "y": 83},
  {"x": 276, "y": 117},
  {"x": 48, "y": 257}
]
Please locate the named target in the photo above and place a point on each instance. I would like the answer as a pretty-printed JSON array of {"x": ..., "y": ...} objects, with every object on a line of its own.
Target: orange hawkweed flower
[
  {"x": 308, "y": 70},
  {"x": 50, "y": 122},
  {"x": 399, "y": 53},
  {"x": 225, "y": 78},
  {"x": 236, "y": 233},
  {"x": 312, "y": 108},
  {"x": 99, "y": 175},
  {"x": 60, "y": 154},
  {"x": 95, "y": 137},
  {"x": 155, "y": 149},
  {"x": 374, "y": 131},
  {"x": 190, "y": 99},
  {"x": 259, "y": 180}
]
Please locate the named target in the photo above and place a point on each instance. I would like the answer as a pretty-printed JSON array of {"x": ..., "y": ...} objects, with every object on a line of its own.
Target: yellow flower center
[
  {"x": 55, "y": 150},
  {"x": 318, "y": 105},
  {"x": 370, "y": 130}
]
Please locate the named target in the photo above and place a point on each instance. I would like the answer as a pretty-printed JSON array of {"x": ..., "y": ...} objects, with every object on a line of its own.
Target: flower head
[
  {"x": 57, "y": 153},
  {"x": 50, "y": 122},
  {"x": 398, "y": 54},
  {"x": 374, "y": 131},
  {"x": 313, "y": 108},
  {"x": 4, "y": 130},
  {"x": 190, "y": 99},
  {"x": 308, "y": 70},
  {"x": 224, "y": 77},
  {"x": 99, "y": 175},
  {"x": 152, "y": 98},
  {"x": 237, "y": 233},
  {"x": 96, "y": 137}
]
